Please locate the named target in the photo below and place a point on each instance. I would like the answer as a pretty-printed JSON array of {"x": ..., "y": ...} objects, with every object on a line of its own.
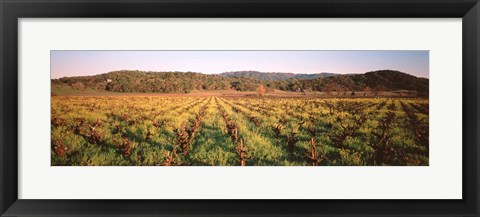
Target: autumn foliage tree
[
  {"x": 330, "y": 88},
  {"x": 78, "y": 86},
  {"x": 378, "y": 90},
  {"x": 261, "y": 90},
  {"x": 367, "y": 91}
]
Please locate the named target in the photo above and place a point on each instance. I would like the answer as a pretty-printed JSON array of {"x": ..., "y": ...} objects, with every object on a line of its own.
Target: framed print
[
  {"x": 229, "y": 108},
  {"x": 187, "y": 114}
]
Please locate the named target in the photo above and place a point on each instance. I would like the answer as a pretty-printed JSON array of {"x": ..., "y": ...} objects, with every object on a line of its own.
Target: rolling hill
[
  {"x": 273, "y": 76},
  {"x": 185, "y": 82}
]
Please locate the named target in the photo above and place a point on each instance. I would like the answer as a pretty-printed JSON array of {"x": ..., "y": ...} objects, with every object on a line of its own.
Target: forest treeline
[
  {"x": 275, "y": 75},
  {"x": 185, "y": 82}
]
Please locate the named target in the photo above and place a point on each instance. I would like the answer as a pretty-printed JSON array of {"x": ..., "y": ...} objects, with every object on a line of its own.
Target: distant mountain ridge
[{"x": 274, "y": 76}]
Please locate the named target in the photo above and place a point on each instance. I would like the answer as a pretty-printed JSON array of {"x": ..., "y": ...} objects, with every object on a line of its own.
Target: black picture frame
[{"x": 12, "y": 10}]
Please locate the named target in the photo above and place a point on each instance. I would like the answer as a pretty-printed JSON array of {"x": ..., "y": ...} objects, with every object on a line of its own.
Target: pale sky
[{"x": 81, "y": 63}]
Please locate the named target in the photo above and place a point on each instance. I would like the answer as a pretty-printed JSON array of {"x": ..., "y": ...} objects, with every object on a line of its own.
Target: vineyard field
[{"x": 238, "y": 131}]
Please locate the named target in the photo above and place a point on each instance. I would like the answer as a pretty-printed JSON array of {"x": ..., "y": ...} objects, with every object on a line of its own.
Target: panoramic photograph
[{"x": 240, "y": 108}]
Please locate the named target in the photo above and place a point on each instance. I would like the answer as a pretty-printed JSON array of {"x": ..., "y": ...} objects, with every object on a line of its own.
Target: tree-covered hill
[
  {"x": 274, "y": 76},
  {"x": 185, "y": 82}
]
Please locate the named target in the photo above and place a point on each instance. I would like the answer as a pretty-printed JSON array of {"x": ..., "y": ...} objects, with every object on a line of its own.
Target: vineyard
[{"x": 238, "y": 131}]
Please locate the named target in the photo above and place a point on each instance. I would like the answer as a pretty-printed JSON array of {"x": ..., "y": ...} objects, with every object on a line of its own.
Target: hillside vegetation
[
  {"x": 185, "y": 82},
  {"x": 273, "y": 76}
]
